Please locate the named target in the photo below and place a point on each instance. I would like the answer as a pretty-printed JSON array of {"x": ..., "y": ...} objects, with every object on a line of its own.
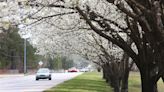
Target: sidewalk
[{"x": 10, "y": 75}]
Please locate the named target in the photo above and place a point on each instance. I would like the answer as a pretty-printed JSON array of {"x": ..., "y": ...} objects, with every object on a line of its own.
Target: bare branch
[{"x": 50, "y": 16}]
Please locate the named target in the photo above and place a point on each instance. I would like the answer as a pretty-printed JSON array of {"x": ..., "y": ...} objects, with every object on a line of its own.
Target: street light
[{"x": 25, "y": 37}]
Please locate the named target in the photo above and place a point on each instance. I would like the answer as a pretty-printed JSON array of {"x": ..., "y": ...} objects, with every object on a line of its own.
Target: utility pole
[
  {"x": 25, "y": 62},
  {"x": 22, "y": 27}
]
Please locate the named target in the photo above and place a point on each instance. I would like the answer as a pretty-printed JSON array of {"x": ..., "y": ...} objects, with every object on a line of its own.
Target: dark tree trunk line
[
  {"x": 105, "y": 74},
  {"x": 125, "y": 76},
  {"x": 124, "y": 85},
  {"x": 114, "y": 79},
  {"x": 117, "y": 74},
  {"x": 111, "y": 77}
]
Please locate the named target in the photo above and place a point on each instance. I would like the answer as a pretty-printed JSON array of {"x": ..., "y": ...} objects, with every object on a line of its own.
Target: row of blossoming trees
[{"x": 88, "y": 27}]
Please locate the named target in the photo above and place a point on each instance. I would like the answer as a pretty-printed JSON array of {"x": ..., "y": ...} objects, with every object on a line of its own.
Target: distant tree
[
  {"x": 60, "y": 62},
  {"x": 12, "y": 50},
  {"x": 66, "y": 63}
]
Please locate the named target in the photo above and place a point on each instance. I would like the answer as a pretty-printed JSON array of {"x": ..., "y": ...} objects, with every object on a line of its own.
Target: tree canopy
[{"x": 141, "y": 21}]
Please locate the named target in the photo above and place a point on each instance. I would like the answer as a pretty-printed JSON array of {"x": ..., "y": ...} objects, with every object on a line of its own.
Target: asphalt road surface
[{"x": 29, "y": 84}]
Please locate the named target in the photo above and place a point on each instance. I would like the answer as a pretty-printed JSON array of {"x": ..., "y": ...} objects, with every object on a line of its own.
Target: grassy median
[
  {"x": 92, "y": 82},
  {"x": 87, "y": 82}
]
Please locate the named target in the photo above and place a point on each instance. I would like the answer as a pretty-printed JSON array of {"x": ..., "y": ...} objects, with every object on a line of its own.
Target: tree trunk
[
  {"x": 108, "y": 74},
  {"x": 117, "y": 85},
  {"x": 99, "y": 69},
  {"x": 125, "y": 75},
  {"x": 148, "y": 83},
  {"x": 116, "y": 89},
  {"x": 124, "y": 85},
  {"x": 103, "y": 73}
]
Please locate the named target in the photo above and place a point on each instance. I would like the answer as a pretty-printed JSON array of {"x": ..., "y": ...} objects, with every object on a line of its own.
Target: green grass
[
  {"x": 135, "y": 83},
  {"x": 87, "y": 82},
  {"x": 92, "y": 82}
]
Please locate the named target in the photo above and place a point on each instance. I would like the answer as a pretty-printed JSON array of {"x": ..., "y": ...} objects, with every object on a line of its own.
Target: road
[{"x": 29, "y": 84}]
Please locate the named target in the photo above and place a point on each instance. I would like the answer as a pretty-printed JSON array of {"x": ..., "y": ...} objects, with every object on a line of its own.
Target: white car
[
  {"x": 43, "y": 73},
  {"x": 84, "y": 70}
]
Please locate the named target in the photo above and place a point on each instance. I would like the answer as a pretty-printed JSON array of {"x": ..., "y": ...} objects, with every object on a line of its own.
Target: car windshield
[{"x": 43, "y": 71}]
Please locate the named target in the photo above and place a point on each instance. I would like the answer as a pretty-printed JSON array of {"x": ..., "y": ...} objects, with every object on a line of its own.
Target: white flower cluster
[{"x": 64, "y": 34}]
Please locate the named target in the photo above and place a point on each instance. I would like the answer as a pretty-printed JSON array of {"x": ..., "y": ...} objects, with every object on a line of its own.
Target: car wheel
[
  {"x": 37, "y": 79},
  {"x": 49, "y": 78}
]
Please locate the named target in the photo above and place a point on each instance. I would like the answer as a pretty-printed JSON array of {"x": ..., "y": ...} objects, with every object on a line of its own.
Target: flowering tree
[
  {"x": 140, "y": 20},
  {"x": 144, "y": 27},
  {"x": 144, "y": 20},
  {"x": 61, "y": 21}
]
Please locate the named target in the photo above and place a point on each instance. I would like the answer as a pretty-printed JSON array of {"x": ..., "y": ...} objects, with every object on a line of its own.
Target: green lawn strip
[
  {"x": 87, "y": 82},
  {"x": 93, "y": 82},
  {"x": 135, "y": 83}
]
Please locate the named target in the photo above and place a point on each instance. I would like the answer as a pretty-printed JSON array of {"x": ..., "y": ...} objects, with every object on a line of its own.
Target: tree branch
[{"x": 124, "y": 46}]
